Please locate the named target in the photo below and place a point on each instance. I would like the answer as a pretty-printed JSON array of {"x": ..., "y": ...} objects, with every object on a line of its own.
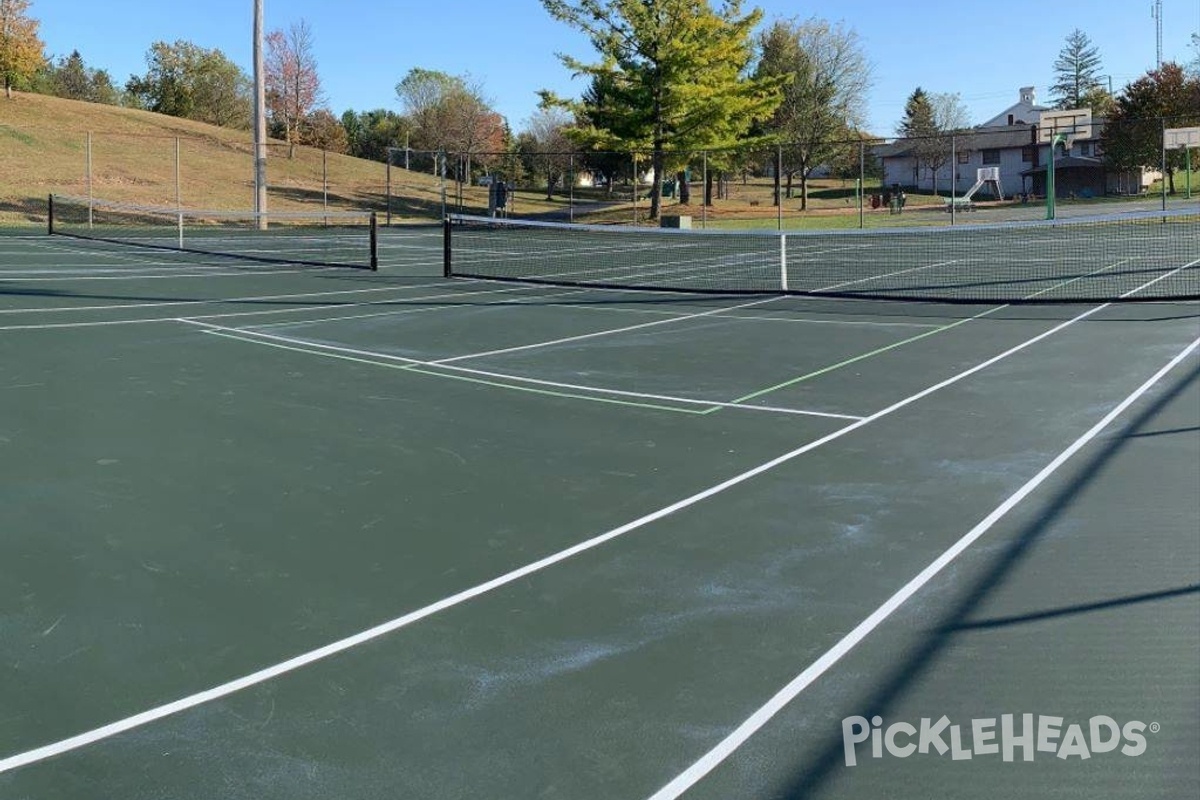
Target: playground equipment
[{"x": 983, "y": 177}]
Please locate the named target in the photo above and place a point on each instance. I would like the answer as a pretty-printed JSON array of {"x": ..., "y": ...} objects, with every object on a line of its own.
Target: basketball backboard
[
  {"x": 1179, "y": 138},
  {"x": 1072, "y": 123}
]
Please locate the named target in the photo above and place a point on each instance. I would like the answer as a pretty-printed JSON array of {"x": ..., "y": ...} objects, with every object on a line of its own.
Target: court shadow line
[{"x": 810, "y": 778}]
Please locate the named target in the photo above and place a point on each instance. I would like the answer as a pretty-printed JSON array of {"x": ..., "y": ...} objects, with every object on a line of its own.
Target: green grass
[{"x": 44, "y": 150}]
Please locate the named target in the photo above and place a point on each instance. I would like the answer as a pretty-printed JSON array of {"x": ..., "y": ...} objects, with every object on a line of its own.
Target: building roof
[
  {"x": 1067, "y": 162},
  {"x": 970, "y": 139}
]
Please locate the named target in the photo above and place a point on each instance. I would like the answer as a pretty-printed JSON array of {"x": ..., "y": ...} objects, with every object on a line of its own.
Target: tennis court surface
[{"x": 273, "y": 531}]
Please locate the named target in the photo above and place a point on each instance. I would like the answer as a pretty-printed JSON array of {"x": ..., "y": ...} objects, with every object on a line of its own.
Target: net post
[
  {"x": 50, "y": 214},
  {"x": 179, "y": 225},
  {"x": 446, "y": 267},
  {"x": 783, "y": 269},
  {"x": 374, "y": 242}
]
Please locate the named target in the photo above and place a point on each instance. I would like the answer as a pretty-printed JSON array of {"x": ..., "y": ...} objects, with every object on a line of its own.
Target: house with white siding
[{"x": 1009, "y": 141}]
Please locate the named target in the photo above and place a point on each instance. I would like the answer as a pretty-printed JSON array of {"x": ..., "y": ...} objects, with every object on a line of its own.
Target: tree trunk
[
  {"x": 657, "y": 163},
  {"x": 804, "y": 190},
  {"x": 778, "y": 179},
  {"x": 684, "y": 190},
  {"x": 790, "y": 177},
  {"x": 708, "y": 188}
]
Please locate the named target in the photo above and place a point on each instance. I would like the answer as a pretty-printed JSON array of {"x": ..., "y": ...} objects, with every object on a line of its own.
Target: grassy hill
[{"x": 43, "y": 149}]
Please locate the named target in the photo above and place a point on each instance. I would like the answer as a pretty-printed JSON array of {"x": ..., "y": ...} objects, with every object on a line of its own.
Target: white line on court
[
  {"x": 216, "y": 692},
  {"x": 885, "y": 275},
  {"x": 741, "y": 734},
  {"x": 607, "y": 332},
  {"x": 370, "y": 356},
  {"x": 396, "y": 312},
  {"x": 265, "y": 297}
]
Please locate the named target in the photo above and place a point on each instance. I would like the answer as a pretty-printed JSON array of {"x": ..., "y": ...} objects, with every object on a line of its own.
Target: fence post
[
  {"x": 862, "y": 181},
  {"x": 779, "y": 186},
  {"x": 1163, "y": 143},
  {"x": 88, "y": 161},
  {"x": 633, "y": 183},
  {"x": 704, "y": 193},
  {"x": 388, "y": 190},
  {"x": 571, "y": 190},
  {"x": 953, "y": 176}
]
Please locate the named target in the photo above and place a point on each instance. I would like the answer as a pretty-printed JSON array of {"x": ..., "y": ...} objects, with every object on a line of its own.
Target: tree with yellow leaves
[{"x": 21, "y": 51}]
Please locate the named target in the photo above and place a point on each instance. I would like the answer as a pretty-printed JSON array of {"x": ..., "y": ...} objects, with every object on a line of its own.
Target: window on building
[
  {"x": 1085, "y": 148},
  {"x": 1028, "y": 153},
  {"x": 964, "y": 156},
  {"x": 991, "y": 156}
]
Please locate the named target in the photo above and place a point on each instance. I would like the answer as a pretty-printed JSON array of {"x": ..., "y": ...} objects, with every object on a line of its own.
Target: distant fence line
[{"x": 855, "y": 180}]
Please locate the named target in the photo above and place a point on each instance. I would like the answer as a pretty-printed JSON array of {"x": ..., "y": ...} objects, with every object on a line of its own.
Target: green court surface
[{"x": 275, "y": 532}]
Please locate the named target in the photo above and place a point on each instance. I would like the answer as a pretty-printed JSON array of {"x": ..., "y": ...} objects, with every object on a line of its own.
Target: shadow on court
[{"x": 810, "y": 778}]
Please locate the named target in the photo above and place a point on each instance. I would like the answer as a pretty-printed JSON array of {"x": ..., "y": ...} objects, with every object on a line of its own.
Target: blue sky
[{"x": 981, "y": 49}]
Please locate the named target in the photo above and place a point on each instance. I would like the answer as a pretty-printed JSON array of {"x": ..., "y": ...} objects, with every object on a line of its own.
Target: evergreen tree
[
  {"x": 71, "y": 78},
  {"x": 680, "y": 69},
  {"x": 1076, "y": 70}
]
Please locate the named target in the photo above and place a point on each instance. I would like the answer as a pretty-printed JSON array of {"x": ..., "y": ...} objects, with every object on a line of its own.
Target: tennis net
[
  {"x": 308, "y": 238},
  {"x": 1139, "y": 256}
]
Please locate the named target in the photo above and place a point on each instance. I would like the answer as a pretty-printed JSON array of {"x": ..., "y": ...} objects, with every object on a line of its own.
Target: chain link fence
[{"x": 977, "y": 175}]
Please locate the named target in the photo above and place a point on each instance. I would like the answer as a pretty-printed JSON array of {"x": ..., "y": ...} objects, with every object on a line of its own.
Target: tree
[
  {"x": 450, "y": 113},
  {"x": 1076, "y": 70},
  {"x": 677, "y": 69},
  {"x": 73, "y": 79},
  {"x": 21, "y": 51},
  {"x": 824, "y": 94},
  {"x": 1166, "y": 97},
  {"x": 1099, "y": 101},
  {"x": 930, "y": 120},
  {"x": 370, "y": 133},
  {"x": 292, "y": 83},
  {"x": 321, "y": 129},
  {"x": 185, "y": 80},
  {"x": 545, "y": 148}
]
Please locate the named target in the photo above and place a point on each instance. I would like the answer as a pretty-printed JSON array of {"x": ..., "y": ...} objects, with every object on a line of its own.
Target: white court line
[
  {"x": 885, "y": 275},
  {"x": 584, "y": 306},
  {"x": 595, "y": 334},
  {"x": 396, "y": 312},
  {"x": 727, "y": 746},
  {"x": 257, "y": 312},
  {"x": 374, "y": 357},
  {"x": 239, "y": 299},
  {"x": 222, "y": 690}
]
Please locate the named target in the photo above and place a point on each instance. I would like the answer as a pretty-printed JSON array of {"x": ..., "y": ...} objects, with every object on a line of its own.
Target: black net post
[
  {"x": 50, "y": 215},
  {"x": 374, "y": 242},
  {"x": 446, "y": 228}
]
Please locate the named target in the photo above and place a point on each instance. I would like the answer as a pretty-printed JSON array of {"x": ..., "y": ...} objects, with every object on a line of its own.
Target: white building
[{"x": 1009, "y": 140}]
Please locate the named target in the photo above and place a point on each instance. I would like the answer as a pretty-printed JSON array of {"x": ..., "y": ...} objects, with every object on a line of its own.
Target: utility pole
[
  {"x": 1156, "y": 13},
  {"x": 260, "y": 120}
]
